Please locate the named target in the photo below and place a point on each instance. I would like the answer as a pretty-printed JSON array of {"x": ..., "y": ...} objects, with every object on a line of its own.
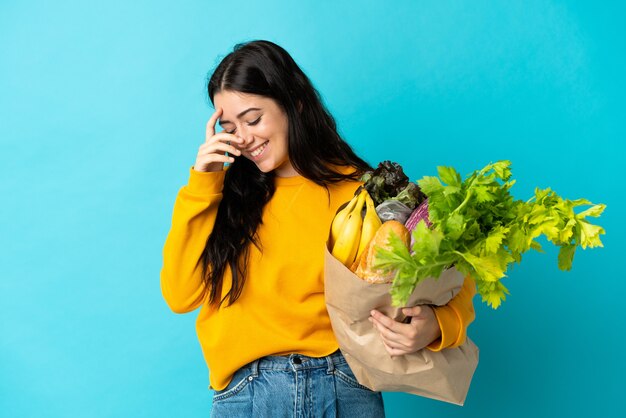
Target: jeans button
[{"x": 297, "y": 360}]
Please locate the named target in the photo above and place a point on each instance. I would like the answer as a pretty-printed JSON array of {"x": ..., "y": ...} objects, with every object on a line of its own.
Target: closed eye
[{"x": 249, "y": 124}]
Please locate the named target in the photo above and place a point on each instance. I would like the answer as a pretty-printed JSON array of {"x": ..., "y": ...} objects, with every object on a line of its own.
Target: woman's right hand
[{"x": 211, "y": 155}]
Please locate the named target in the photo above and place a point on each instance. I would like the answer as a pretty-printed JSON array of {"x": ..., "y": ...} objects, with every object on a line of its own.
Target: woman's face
[{"x": 263, "y": 126}]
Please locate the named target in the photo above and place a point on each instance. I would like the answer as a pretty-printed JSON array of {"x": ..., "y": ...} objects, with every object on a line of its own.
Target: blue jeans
[{"x": 297, "y": 386}]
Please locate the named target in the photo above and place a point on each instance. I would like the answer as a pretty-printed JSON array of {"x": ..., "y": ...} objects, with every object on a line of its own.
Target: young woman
[{"x": 246, "y": 245}]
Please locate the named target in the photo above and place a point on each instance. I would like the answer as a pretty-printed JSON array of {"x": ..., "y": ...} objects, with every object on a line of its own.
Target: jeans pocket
[
  {"x": 344, "y": 373},
  {"x": 240, "y": 380}
]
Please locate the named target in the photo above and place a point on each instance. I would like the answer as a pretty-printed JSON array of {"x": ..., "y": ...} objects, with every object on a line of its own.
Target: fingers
[
  {"x": 210, "y": 125},
  {"x": 211, "y": 154},
  {"x": 404, "y": 338},
  {"x": 414, "y": 311},
  {"x": 387, "y": 322},
  {"x": 218, "y": 146},
  {"x": 226, "y": 138},
  {"x": 207, "y": 160},
  {"x": 391, "y": 338},
  {"x": 394, "y": 351}
]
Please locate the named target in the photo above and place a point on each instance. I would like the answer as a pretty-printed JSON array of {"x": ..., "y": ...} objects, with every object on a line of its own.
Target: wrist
[
  {"x": 205, "y": 182},
  {"x": 435, "y": 327}
]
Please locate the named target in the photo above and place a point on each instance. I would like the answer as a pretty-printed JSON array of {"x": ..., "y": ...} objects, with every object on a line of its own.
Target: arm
[
  {"x": 434, "y": 328},
  {"x": 193, "y": 218},
  {"x": 455, "y": 317}
]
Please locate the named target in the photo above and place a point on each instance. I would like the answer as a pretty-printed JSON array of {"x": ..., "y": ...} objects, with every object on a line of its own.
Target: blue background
[{"x": 102, "y": 108}]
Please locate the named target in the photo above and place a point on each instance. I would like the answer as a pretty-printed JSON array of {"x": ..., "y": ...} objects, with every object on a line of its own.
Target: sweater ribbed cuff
[
  {"x": 449, "y": 323},
  {"x": 210, "y": 182}
]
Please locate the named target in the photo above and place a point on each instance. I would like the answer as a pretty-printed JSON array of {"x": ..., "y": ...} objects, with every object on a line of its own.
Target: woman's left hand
[{"x": 401, "y": 338}]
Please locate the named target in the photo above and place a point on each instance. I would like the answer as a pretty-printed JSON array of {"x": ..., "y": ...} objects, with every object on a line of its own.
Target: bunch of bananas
[{"x": 352, "y": 230}]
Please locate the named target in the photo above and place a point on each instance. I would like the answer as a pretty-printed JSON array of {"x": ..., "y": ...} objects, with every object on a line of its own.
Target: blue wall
[{"x": 102, "y": 109}]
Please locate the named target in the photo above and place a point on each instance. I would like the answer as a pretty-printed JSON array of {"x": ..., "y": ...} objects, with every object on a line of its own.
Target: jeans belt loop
[
  {"x": 331, "y": 364},
  {"x": 255, "y": 368}
]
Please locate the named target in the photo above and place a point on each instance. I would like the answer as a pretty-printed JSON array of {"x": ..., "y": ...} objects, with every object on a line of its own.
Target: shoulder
[
  {"x": 344, "y": 190},
  {"x": 345, "y": 169}
]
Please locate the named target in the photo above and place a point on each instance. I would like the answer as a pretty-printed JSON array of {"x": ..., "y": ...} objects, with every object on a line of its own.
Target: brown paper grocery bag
[{"x": 443, "y": 375}]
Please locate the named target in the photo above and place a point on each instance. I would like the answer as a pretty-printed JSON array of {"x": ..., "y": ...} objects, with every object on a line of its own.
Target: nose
[{"x": 247, "y": 137}]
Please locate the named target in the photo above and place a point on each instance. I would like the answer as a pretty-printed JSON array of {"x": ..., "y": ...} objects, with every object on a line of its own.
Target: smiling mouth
[{"x": 259, "y": 150}]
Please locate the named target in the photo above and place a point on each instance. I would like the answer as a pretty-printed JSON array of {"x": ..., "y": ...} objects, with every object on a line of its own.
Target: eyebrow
[{"x": 239, "y": 116}]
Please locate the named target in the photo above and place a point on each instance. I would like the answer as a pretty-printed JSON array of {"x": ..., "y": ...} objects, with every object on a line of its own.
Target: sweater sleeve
[
  {"x": 195, "y": 210},
  {"x": 455, "y": 317}
]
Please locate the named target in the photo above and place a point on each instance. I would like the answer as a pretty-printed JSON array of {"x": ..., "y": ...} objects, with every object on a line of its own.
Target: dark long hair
[{"x": 314, "y": 147}]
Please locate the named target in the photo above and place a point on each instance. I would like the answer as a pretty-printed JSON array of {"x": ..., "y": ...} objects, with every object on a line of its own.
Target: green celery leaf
[
  {"x": 493, "y": 293},
  {"x": 395, "y": 258},
  {"x": 494, "y": 239},
  {"x": 590, "y": 234},
  {"x": 426, "y": 241},
  {"x": 536, "y": 246},
  {"x": 502, "y": 169},
  {"x": 449, "y": 176},
  {"x": 450, "y": 190},
  {"x": 455, "y": 225},
  {"x": 484, "y": 194},
  {"x": 537, "y": 215},
  {"x": 580, "y": 202},
  {"x": 430, "y": 185},
  {"x": 505, "y": 258},
  {"x": 594, "y": 211},
  {"x": 568, "y": 231},
  {"x": 403, "y": 285},
  {"x": 433, "y": 270},
  {"x": 516, "y": 239},
  {"x": 566, "y": 257},
  {"x": 550, "y": 230},
  {"x": 488, "y": 267},
  {"x": 541, "y": 194}
]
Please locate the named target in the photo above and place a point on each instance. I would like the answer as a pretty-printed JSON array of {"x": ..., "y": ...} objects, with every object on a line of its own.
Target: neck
[{"x": 286, "y": 170}]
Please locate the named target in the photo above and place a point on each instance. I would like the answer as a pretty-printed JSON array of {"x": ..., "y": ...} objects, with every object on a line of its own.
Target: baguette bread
[{"x": 381, "y": 239}]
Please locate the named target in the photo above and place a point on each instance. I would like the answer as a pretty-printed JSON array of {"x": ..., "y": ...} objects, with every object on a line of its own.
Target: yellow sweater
[{"x": 281, "y": 309}]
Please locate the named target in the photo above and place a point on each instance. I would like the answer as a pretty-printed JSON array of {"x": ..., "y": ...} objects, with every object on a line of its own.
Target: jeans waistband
[{"x": 294, "y": 362}]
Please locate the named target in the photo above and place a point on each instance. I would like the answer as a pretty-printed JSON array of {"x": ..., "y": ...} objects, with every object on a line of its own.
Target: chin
[{"x": 266, "y": 167}]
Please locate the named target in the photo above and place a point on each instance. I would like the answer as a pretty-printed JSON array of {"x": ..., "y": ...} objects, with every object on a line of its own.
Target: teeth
[{"x": 259, "y": 150}]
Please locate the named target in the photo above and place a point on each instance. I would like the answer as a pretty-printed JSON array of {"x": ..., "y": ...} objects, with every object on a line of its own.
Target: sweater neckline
[{"x": 289, "y": 181}]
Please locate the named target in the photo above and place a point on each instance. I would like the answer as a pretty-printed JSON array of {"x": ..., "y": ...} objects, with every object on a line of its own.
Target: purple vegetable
[{"x": 421, "y": 212}]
